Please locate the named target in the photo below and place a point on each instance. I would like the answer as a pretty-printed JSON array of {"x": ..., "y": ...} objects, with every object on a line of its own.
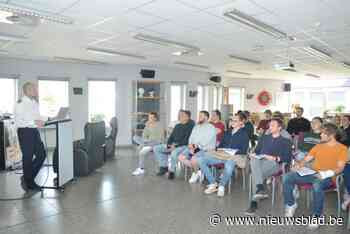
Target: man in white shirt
[{"x": 28, "y": 120}]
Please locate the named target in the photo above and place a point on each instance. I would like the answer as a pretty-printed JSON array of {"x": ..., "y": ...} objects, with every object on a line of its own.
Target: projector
[{"x": 285, "y": 66}]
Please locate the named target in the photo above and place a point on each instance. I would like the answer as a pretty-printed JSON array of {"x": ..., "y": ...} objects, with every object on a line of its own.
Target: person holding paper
[
  {"x": 237, "y": 139},
  {"x": 329, "y": 159},
  {"x": 202, "y": 139},
  {"x": 272, "y": 150}
]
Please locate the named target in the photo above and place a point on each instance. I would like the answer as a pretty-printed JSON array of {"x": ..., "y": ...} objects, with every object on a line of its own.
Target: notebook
[{"x": 304, "y": 171}]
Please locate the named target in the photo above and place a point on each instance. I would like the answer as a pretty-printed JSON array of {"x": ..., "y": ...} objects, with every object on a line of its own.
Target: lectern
[{"x": 64, "y": 146}]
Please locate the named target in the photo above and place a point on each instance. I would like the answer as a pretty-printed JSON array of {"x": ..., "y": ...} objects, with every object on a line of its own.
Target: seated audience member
[
  {"x": 215, "y": 120},
  {"x": 346, "y": 175},
  {"x": 202, "y": 139},
  {"x": 329, "y": 159},
  {"x": 284, "y": 132},
  {"x": 345, "y": 129},
  {"x": 248, "y": 126},
  {"x": 272, "y": 150},
  {"x": 237, "y": 139},
  {"x": 176, "y": 143},
  {"x": 153, "y": 134},
  {"x": 308, "y": 140},
  {"x": 299, "y": 123},
  {"x": 337, "y": 121},
  {"x": 172, "y": 124},
  {"x": 264, "y": 123}
]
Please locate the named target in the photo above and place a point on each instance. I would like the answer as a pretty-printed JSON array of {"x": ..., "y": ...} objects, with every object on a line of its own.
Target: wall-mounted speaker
[
  {"x": 192, "y": 93},
  {"x": 147, "y": 74},
  {"x": 287, "y": 87},
  {"x": 77, "y": 91},
  {"x": 216, "y": 79}
]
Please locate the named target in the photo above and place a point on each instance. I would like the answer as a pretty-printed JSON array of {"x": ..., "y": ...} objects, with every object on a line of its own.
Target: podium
[{"x": 64, "y": 145}]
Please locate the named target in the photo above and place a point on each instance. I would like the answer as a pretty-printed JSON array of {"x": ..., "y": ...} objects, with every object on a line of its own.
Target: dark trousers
[
  {"x": 31, "y": 144},
  {"x": 346, "y": 174}
]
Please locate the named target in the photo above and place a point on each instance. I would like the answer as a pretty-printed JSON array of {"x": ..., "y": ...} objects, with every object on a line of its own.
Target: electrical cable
[{"x": 29, "y": 195}]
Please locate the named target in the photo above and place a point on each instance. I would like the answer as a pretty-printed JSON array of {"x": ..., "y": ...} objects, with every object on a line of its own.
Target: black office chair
[{"x": 110, "y": 146}]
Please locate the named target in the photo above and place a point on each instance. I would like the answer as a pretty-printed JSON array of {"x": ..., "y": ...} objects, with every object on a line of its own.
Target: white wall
[
  {"x": 253, "y": 86},
  {"x": 79, "y": 75}
]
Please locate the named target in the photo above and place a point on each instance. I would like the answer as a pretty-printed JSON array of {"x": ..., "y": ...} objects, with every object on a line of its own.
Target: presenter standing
[{"x": 28, "y": 120}]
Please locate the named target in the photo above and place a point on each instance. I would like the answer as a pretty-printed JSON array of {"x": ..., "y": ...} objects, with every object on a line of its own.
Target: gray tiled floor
[{"x": 112, "y": 201}]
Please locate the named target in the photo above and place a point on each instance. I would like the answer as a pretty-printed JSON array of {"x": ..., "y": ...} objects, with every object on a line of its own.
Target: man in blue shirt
[
  {"x": 237, "y": 139},
  {"x": 272, "y": 150}
]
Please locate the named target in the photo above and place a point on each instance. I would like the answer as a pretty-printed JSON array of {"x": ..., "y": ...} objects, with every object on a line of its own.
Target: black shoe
[
  {"x": 260, "y": 193},
  {"x": 252, "y": 209},
  {"x": 171, "y": 175},
  {"x": 24, "y": 184},
  {"x": 162, "y": 171}
]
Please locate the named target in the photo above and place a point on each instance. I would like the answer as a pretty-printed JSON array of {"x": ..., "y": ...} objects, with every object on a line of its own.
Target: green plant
[
  {"x": 98, "y": 117},
  {"x": 339, "y": 109}
]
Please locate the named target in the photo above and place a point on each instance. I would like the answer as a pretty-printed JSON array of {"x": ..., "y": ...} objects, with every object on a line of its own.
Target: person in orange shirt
[{"x": 329, "y": 158}]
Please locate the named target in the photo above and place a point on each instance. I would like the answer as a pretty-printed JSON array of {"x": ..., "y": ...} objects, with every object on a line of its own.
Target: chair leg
[
  {"x": 185, "y": 171},
  {"x": 338, "y": 202},
  {"x": 348, "y": 227},
  {"x": 307, "y": 198},
  {"x": 243, "y": 179},
  {"x": 273, "y": 191},
  {"x": 229, "y": 186},
  {"x": 250, "y": 187}
]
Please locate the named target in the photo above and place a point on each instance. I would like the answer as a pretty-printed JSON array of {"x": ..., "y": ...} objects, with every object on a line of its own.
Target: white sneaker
[
  {"x": 296, "y": 193},
  {"x": 313, "y": 225},
  {"x": 221, "y": 191},
  {"x": 345, "y": 204},
  {"x": 212, "y": 188},
  {"x": 290, "y": 210},
  {"x": 138, "y": 171},
  {"x": 195, "y": 177}
]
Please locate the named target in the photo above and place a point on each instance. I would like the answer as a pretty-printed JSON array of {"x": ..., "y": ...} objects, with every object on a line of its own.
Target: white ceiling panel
[
  {"x": 54, "y": 6},
  {"x": 168, "y": 10},
  {"x": 204, "y": 4}
]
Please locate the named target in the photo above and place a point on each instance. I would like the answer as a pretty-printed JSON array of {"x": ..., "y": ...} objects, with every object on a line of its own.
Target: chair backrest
[
  {"x": 94, "y": 140},
  {"x": 114, "y": 125}
]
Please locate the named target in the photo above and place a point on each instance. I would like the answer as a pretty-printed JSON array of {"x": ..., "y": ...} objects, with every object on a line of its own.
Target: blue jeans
[
  {"x": 318, "y": 186},
  {"x": 162, "y": 152},
  {"x": 208, "y": 160},
  {"x": 346, "y": 175}
]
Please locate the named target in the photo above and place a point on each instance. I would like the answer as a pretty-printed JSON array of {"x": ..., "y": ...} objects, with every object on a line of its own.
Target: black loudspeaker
[
  {"x": 147, "y": 74},
  {"x": 216, "y": 79},
  {"x": 287, "y": 87},
  {"x": 192, "y": 93},
  {"x": 77, "y": 91}
]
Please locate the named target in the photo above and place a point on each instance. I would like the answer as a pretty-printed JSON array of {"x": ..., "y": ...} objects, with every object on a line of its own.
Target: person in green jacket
[{"x": 153, "y": 134}]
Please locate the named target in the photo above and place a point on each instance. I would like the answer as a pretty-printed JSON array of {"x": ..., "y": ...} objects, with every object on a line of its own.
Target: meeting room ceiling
[{"x": 125, "y": 29}]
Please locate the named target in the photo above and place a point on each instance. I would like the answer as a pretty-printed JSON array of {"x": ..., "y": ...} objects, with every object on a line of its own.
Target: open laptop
[{"x": 62, "y": 113}]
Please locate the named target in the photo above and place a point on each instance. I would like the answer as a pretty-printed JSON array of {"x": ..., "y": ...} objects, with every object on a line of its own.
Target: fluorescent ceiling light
[
  {"x": 188, "y": 53},
  {"x": 165, "y": 42},
  {"x": 244, "y": 59},
  {"x": 318, "y": 53},
  {"x": 256, "y": 24},
  {"x": 312, "y": 75},
  {"x": 77, "y": 60},
  {"x": 9, "y": 37},
  {"x": 239, "y": 72},
  {"x": 41, "y": 15},
  {"x": 4, "y": 15},
  {"x": 113, "y": 53},
  {"x": 191, "y": 65}
]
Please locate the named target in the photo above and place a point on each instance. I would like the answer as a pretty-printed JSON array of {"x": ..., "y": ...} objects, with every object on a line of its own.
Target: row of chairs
[{"x": 275, "y": 181}]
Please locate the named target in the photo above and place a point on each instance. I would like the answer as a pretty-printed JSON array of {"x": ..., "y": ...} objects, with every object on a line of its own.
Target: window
[
  {"x": 102, "y": 101},
  {"x": 53, "y": 94},
  {"x": 217, "y": 98},
  {"x": 177, "y": 100},
  {"x": 8, "y": 90},
  {"x": 202, "y": 98},
  {"x": 235, "y": 98}
]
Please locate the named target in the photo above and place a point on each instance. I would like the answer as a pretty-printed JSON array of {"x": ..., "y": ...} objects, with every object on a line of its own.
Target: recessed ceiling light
[
  {"x": 317, "y": 53},
  {"x": 39, "y": 14},
  {"x": 248, "y": 60},
  {"x": 239, "y": 72},
  {"x": 165, "y": 42},
  {"x": 4, "y": 15},
  {"x": 109, "y": 52},
  {"x": 188, "y": 53},
  {"x": 312, "y": 75},
  {"x": 256, "y": 24},
  {"x": 191, "y": 65}
]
